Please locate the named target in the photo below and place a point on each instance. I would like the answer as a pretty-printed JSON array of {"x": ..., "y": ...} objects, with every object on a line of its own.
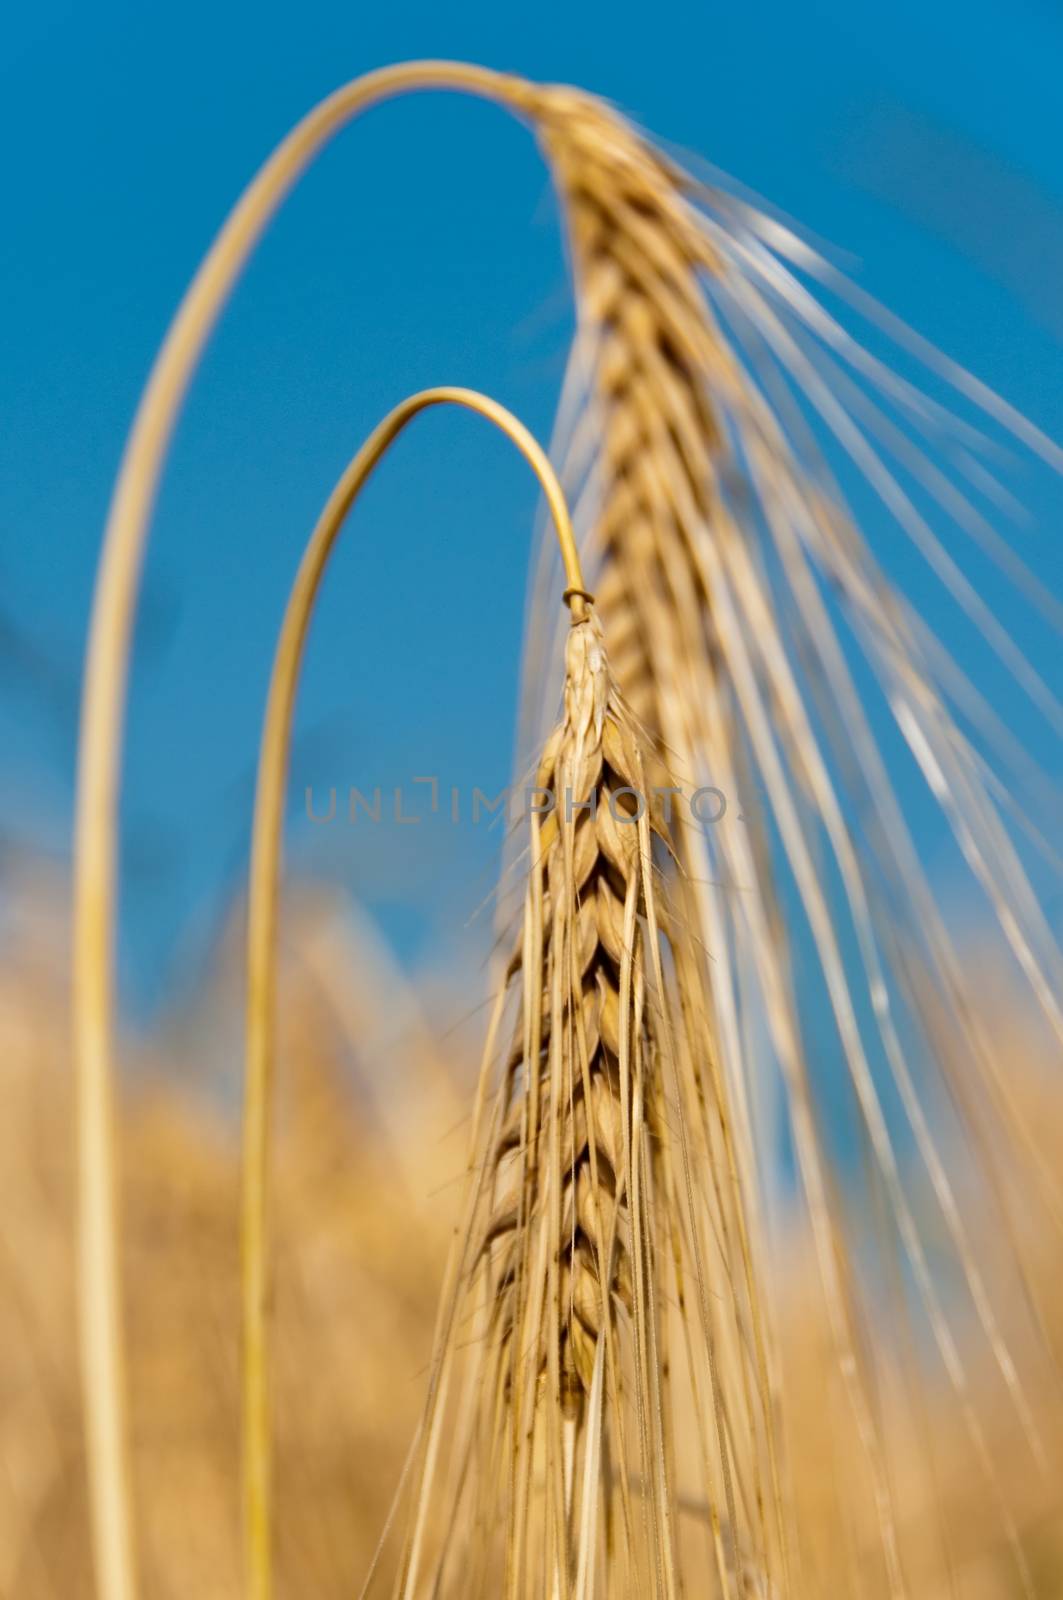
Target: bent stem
[
  {"x": 266, "y": 847},
  {"x": 100, "y": 744}
]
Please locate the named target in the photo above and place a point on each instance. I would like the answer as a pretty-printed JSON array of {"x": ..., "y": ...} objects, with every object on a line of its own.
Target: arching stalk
[
  {"x": 262, "y": 918},
  {"x": 104, "y": 696}
]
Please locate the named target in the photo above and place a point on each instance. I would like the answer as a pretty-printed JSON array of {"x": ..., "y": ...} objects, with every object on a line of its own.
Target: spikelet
[
  {"x": 653, "y": 368},
  {"x": 604, "y": 1289}
]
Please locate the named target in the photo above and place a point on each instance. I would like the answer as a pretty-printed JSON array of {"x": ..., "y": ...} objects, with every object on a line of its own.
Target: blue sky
[{"x": 423, "y": 248}]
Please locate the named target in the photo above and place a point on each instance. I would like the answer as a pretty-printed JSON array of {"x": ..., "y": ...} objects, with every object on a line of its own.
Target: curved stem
[
  {"x": 102, "y": 718},
  {"x": 262, "y": 918}
]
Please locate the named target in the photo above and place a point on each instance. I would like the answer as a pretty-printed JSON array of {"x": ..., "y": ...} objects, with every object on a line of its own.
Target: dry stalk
[
  {"x": 263, "y": 914},
  {"x": 99, "y": 761}
]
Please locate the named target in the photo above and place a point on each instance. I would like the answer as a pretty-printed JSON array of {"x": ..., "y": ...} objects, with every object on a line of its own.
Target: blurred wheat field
[
  {"x": 732, "y": 1272},
  {"x": 360, "y": 1253},
  {"x": 362, "y": 1235}
]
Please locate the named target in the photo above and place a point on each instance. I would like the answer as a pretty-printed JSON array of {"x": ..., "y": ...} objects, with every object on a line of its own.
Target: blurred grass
[
  {"x": 361, "y": 1243},
  {"x": 358, "y": 1262}
]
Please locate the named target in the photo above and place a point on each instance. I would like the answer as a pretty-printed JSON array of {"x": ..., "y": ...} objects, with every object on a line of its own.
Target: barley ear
[
  {"x": 595, "y": 1343},
  {"x": 720, "y": 425}
]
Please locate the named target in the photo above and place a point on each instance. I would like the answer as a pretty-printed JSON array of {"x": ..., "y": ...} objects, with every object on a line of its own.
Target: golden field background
[{"x": 371, "y": 1133}]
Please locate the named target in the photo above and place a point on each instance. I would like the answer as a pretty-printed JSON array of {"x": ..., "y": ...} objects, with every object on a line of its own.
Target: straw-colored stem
[
  {"x": 266, "y": 847},
  {"x": 102, "y": 719}
]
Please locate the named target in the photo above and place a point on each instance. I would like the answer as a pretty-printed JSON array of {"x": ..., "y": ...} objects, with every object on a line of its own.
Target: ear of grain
[
  {"x": 602, "y": 1295},
  {"x": 721, "y": 548}
]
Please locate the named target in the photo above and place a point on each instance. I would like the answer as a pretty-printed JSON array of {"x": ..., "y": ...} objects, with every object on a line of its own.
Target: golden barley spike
[{"x": 595, "y": 1341}]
